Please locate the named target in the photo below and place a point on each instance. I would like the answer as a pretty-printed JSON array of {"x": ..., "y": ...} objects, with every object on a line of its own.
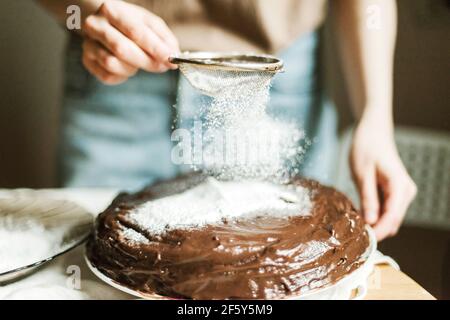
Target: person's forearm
[
  {"x": 366, "y": 33},
  {"x": 58, "y": 8}
]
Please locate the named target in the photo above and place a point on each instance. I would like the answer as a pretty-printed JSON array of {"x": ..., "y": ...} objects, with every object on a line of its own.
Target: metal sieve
[{"x": 214, "y": 72}]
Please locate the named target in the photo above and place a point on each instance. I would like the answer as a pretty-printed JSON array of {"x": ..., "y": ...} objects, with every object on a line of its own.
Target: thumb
[{"x": 368, "y": 193}]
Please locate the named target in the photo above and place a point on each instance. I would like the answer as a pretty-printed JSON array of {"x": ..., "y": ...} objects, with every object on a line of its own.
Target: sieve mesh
[
  {"x": 213, "y": 73},
  {"x": 212, "y": 82}
]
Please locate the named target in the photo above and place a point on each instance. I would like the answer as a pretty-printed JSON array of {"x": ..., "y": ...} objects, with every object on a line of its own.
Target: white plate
[{"x": 340, "y": 290}]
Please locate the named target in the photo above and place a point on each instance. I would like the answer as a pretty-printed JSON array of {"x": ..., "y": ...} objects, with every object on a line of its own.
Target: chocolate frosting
[{"x": 260, "y": 258}]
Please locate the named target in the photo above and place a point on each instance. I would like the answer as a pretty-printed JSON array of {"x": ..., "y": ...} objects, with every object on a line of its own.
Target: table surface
[{"x": 387, "y": 283}]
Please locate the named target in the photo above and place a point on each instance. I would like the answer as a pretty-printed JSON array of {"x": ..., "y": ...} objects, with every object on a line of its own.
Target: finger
[
  {"x": 368, "y": 191},
  {"x": 98, "y": 28},
  {"x": 170, "y": 50},
  {"x": 110, "y": 63},
  {"x": 138, "y": 32},
  {"x": 151, "y": 20},
  {"x": 399, "y": 190},
  {"x": 101, "y": 74},
  {"x": 393, "y": 211},
  {"x": 165, "y": 34},
  {"x": 163, "y": 31}
]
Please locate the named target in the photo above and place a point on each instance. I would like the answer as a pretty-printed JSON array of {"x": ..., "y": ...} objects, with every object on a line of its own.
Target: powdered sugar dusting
[
  {"x": 212, "y": 201},
  {"x": 134, "y": 236},
  {"x": 240, "y": 140},
  {"x": 22, "y": 245}
]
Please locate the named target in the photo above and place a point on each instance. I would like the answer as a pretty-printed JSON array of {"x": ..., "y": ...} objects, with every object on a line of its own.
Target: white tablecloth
[{"x": 55, "y": 280}]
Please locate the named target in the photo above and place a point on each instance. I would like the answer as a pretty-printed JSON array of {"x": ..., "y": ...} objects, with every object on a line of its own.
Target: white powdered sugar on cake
[
  {"x": 133, "y": 236},
  {"x": 212, "y": 201}
]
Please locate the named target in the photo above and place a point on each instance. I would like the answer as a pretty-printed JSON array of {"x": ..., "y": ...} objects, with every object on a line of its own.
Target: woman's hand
[
  {"x": 121, "y": 38},
  {"x": 385, "y": 188}
]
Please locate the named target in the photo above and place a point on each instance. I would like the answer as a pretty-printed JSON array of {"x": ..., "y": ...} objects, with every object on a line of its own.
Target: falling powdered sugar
[
  {"x": 240, "y": 139},
  {"x": 212, "y": 201},
  {"x": 248, "y": 154}
]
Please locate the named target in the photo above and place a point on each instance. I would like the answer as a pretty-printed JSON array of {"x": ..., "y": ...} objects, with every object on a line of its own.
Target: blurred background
[{"x": 31, "y": 56}]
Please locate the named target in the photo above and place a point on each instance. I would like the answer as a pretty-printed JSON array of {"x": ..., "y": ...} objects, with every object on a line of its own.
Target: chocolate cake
[{"x": 257, "y": 256}]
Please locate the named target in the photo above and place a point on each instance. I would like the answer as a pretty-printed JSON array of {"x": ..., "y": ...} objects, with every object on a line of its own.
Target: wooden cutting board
[{"x": 387, "y": 283}]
